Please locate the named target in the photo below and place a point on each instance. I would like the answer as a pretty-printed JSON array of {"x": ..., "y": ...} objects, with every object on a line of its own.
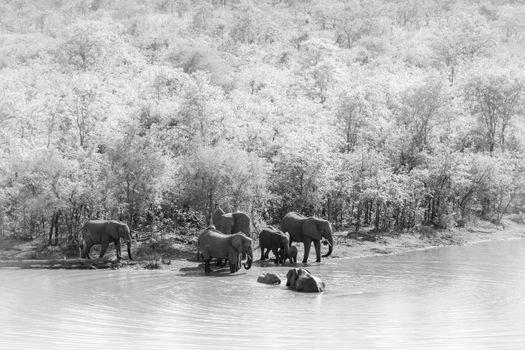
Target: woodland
[{"x": 381, "y": 114}]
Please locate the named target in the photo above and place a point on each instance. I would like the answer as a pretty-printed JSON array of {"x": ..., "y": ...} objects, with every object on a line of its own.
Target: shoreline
[
  {"x": 432, "y": 247},
  {"x": 348, "y": 245}
]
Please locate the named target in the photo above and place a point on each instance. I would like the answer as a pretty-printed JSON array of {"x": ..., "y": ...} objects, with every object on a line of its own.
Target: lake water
[{"x": 468, "y": 297}]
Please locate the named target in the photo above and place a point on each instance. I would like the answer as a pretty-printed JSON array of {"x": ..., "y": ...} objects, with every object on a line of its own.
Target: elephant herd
[{"x": 229, "y": 238}]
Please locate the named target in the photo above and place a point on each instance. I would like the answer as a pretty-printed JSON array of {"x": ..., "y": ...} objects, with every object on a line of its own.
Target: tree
[
  {"x": 353, "y": 111},
  {"x": 423, "y": 107},
  {"x": 495, "y": 96},
  {"x": 461, "y": 39},
  {"x": 135, "y": 164},
  {"x": 222, "y": 176}
]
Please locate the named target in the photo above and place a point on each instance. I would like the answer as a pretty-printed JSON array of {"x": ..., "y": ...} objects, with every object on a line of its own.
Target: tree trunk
[
  {"x": 50, "y": 235},
  {"x": 57, "y": 217},
  {"x": 378, "y": 215},
  {"x": 358, "y": 218}
]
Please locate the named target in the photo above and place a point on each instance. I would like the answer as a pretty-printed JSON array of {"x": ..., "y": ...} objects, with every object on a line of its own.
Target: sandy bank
[{"x": 347, "y": 245}]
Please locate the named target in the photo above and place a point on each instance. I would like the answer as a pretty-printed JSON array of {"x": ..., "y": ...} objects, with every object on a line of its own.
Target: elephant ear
[
  {"x": 124, "y": 232},
  {"x": 285, "y": 239},
  {"x": 291, "y": 277},
  {"x": 216, "y": 217},
  {"x": 237, "y": 242}
]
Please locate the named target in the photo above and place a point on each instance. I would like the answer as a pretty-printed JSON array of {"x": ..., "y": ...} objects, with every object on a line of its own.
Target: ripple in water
[{"x": 456, "y": 297}]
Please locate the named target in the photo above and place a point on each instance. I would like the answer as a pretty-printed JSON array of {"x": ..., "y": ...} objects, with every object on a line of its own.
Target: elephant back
[
  {"x": 293, "y": 224},
  {"x": 242, "y": 223}
]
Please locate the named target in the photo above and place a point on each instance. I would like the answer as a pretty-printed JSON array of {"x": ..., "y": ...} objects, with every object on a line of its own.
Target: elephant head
[
  {"x": 269, "y": 278},
  {"x": 229, "y": 223},
  {"x": 284, "y": 252},
  {"x": 302, "y": 280},
  {"x": 285, "y": 242},
  {"x": 318, "y": 229},
  {"x": 241, "y": 245},
  {"x": 125, "y": 234}
]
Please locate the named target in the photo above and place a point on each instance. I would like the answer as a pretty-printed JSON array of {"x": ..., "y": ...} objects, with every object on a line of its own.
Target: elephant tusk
[{"x": 327, "y": 242}]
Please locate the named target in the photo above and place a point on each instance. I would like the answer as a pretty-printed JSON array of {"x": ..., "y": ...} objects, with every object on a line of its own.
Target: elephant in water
[
  {"x": 229, "y": 223},
  {"x": 215, "y": 244},
  {"x": 301, "y": 280},
  {"x": 272, "y": 239},
  {"x": 307, "y": 230},
  {"x": 103, "y": 232},
  {"x": 269, "y": 278}
]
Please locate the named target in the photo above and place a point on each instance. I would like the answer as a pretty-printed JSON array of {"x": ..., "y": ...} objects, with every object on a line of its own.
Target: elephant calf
[
  {"x": 292, "y": 255},
  {"x": 269, "y": 278},
  {"x": 301, "y": 280},
  {"x": 275, "y": 240},
  {"x": 104, "y": 232}
]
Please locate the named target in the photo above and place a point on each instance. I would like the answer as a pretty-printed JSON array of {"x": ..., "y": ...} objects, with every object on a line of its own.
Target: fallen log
[{"x": 100, "y": 263}]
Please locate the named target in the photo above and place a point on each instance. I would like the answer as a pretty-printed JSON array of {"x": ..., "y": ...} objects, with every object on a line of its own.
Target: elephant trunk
[
  {"x": 248, "y": 264},
  {"x": 330, "y": 246}
]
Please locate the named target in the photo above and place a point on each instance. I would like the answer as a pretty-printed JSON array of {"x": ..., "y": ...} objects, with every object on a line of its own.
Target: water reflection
[{"x": 457, "y": 297}]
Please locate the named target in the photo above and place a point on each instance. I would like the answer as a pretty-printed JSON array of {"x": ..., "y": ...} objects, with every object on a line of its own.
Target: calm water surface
[{"x": 449, "y": 298}]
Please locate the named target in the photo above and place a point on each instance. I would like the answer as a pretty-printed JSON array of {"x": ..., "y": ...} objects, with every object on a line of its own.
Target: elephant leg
[
  {"x": 267, "y": 253},
  {"x": 104, "y": 248},
  {"x": 317, "y": 245},
  {"x": 87, "y": 248},
  {"x": 276, "y": 253},
  {"x": 118, "y": 250},
  {"x": 207, "y": 267},
  {"x": 262, "y": 254},
  {"x": 239, "y": 262},
  {"x": 234, "y": 262},
  {"x": 307, "y": 244}
]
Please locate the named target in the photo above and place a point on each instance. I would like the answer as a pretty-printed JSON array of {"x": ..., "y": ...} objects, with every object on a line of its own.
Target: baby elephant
[
  {"x": 269, "y": 278},
  {"x": 292, "y": 255},
  {"x": 275, "y": 240},
  {"x": 301, "y": 280}
]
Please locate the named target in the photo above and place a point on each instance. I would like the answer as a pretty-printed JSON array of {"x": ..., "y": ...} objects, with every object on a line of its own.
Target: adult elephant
[
  {"x": 215, "y": 244},
  {"x": 307, "y": 230},
  {"x": 229, "y": 223},
  {"x": 302, "y": 280},
  {"x": 278, "y": 242},
  {"x": 104, "y": 232}
]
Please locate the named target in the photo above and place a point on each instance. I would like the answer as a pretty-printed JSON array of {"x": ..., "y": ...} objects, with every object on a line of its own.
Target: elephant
[
  {"x": 307, "y": 229},
  {"x": 273, "y": 239},
  {"x": 103, "y": 232},
  {"x": 302, "y": 280},
  {"x": 229, "y": 223},
  {"x": 292, "y": 255},
  {"x": 269, "y": 278},
  {"x": 215, "y": 244}
]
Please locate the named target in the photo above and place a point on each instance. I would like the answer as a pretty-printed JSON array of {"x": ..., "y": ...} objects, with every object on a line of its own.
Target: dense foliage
[{"x": 384, "y": 113}]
